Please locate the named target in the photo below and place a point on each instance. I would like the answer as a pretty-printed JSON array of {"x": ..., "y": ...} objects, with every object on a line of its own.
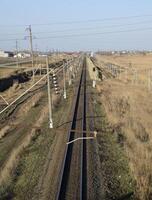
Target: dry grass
[
  {"x": 7, "y": 169},
  {"x": 20, "y": 115},
  {"x": 128, "y": 108},
  {"x": 134, "y": 69},
  {"x": 6, "y": 72},
  {"x": 32, "y": 102},
  {"x": 138, "y": 61},
  {"x": 4, "y": 131}
]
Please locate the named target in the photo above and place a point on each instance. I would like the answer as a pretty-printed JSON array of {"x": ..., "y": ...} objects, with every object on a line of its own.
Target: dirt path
[{"x": 94, "y": 178}]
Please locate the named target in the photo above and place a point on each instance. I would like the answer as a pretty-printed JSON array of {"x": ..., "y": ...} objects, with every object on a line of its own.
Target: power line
[
  {"x": 81, "y": 21},
  {"x": 90, "y": 28},
  {"x": 93, "y": 20},
  {"x": 85, "y": 34},
  {"x": 80, "y": 29},
  {"x": 91, "y": 34}
]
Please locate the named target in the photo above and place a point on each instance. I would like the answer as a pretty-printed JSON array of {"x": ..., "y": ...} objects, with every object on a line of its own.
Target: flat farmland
[
  {"x": 13, "y": 68},
  {"x": 127, "y": 100}
]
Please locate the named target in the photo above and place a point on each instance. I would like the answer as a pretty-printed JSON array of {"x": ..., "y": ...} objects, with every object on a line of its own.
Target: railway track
[{"x": 73, "y": 175}]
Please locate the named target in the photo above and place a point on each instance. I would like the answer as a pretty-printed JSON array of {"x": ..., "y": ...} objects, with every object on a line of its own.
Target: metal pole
[
  {"x": 64, "y": 79},
  {"x": 31, "y": 46},
  {"x": 36, "y": 55},
  {"x": 49, "y": 95},
  {"x": 17, "y": 54}
]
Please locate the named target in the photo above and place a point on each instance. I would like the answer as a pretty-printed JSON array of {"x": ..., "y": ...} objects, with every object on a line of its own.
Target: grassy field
[
  {"x": 135, "y": 69},
  {"x": 117, "y": 179},
  {"x": 138, "y": 60},
  {"x": 128, "y": 108}
]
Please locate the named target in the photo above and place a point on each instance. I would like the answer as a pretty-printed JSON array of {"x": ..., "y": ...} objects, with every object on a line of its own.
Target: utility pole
[
  {"x": 31, "y": 48},
  {"x": 17, "y": 54},
  {"x": 64, "y": 79},
  {"x": 49, "y": 95}
]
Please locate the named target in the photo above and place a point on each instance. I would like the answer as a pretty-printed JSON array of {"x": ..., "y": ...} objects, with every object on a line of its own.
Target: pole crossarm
[
  {"x": 79, "y": 131},
  {"x": 81, "y": 138}
]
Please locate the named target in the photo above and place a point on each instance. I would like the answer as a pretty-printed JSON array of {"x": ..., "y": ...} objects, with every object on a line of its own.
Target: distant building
[
  {"x": 6, "y": 54},
  {"x": 22, "y": 55}
]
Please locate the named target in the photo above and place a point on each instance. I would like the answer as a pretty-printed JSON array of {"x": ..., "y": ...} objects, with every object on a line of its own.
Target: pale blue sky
[{"x": 16, "y": 14}]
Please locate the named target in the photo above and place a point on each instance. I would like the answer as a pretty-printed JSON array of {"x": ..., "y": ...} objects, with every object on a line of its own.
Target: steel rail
[
  {"x": 68, "y": 152},
  {"x": 83, "y": 185},
  {"x": 65, "y": 168}
]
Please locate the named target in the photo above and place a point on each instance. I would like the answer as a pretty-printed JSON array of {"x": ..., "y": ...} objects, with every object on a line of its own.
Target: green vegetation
[{"x": 117, "y": 178}]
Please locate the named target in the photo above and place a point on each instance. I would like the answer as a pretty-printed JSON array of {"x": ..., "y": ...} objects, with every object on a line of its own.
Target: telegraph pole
[
  {"x": 31, "y": 47},
  {"x": 49, "y": 95}
]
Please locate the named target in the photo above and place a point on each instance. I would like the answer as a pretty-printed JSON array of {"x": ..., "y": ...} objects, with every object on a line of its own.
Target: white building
[
  {"x": 6, "y": 54},
  {"x": 22, "y": 55}
]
